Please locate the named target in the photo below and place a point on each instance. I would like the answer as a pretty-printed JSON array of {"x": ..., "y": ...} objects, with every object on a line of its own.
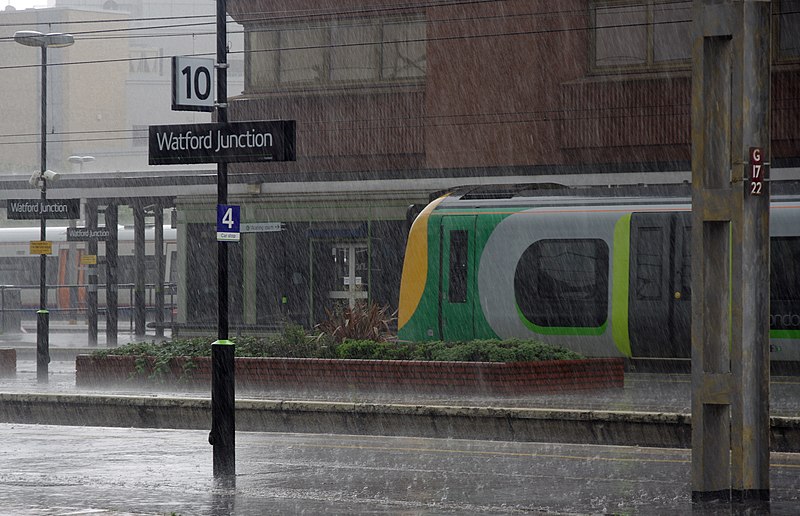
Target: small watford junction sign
[
  {"x": 269, "y": 140},
  {"x": 86, "y": 234}
]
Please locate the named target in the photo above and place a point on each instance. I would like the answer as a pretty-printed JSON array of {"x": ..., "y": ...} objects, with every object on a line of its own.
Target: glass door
[{"x": 350, "y": 274}]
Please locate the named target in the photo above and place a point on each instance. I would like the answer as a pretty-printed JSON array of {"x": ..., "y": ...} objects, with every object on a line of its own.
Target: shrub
[
  {"x": 369, "y": 349},
  {"x": 161, "y": 354},
  {"x": 294, "y": 342},
  {"x": 513, "y": 350},
  {"x": 361, "y": 322}
]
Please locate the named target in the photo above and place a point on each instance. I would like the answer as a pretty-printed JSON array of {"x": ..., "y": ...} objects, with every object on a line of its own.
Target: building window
[
  {"x": 354, "y": 57},
  {"x": 302, "y": 55},
  {"x": 563, "y": 283},
  {"x": 348, "y": 52},
  {"x": 789, "y": 30},
  {"x": 641, "y": 35},
  {"x": 147, "y": 61},
  {"x": 403, "y": 50}
]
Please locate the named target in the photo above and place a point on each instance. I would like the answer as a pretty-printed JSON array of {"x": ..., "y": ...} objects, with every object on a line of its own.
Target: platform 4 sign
[{"x": 269, "y": 140}]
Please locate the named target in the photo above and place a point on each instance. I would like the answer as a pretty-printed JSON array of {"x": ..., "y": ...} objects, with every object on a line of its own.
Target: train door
[
  {"x": 660, "y": 276},
  {"x": 457, "y": 287}
]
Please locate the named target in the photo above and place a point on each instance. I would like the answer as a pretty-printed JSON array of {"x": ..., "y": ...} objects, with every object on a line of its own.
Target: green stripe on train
[
  {"x": 561, "y": 330},
  {"x": 784, "y": 334},
  {"x": 619, "y": 285}
]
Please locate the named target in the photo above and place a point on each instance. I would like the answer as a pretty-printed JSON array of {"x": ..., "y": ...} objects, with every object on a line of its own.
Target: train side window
[
  {"x": 563, "y": 283},
  {"x": 457, "y": 287},
  {"x": 649, "y": 264},
  {"x": 785, "y": 282}
]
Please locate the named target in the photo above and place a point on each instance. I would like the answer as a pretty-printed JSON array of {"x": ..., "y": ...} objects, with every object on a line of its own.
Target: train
[
  {"x": 604, "y": 271},
  {"x": 66, "y": 276}
]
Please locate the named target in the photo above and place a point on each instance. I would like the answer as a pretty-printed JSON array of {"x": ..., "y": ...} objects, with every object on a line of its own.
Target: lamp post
[
  {"x": 55, "y": 40},
  {"x": 81, "y": 160}
]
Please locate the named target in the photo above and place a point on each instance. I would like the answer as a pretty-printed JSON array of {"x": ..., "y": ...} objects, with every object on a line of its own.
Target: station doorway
[
  {"x": 340, "y": 275},
  {"x": 351, "y": 274}
]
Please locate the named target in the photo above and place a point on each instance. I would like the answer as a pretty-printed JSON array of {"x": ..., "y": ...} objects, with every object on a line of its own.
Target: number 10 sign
[{"x": 192, "y": 84}]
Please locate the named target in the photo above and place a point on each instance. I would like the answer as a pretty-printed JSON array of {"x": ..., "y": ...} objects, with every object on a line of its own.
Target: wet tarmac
[{"x": 62, "y": 470}]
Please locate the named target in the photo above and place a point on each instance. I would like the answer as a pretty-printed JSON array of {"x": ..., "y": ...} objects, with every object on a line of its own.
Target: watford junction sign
[
  {"x": 32, "y": 209},
  {"x": 270, "y": 140}
]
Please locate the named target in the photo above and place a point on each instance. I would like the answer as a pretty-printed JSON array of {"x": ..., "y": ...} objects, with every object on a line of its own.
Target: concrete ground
[
  {"x": 393, "y": 467},
  {"x": 67, "y": 470}
]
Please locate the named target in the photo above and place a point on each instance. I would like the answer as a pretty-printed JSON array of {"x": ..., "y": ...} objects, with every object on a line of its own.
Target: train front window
[{"x": 563, "y": 283}]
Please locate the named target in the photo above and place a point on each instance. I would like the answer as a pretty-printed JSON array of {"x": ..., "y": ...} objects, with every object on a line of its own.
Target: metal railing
[{"x": 19, "y": 303}]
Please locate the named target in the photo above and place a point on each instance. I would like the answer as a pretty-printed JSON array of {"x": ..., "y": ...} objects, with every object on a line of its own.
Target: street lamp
[
  {"x": 33, "y": 38},
  {"x": 81, "y": 160}
]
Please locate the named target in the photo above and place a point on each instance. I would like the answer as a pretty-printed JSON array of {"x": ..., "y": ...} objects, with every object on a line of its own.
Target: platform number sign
[
  {"x": 192, "y": 84},
  {"x": 228, "y": 222},
  {"x": 757, "y": 170}
]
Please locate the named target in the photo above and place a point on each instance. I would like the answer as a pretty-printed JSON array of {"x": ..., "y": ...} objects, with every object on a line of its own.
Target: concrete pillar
[{"x": 730, "y": 251}]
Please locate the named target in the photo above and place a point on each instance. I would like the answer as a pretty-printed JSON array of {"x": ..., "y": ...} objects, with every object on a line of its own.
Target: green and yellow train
[{"x": 602, "y": 271}]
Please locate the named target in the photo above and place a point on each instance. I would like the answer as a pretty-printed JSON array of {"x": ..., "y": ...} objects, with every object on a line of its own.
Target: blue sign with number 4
[{"x": 227, "y": 222}]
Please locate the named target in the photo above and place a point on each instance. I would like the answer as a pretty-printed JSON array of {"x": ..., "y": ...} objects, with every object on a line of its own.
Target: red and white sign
[{"x": 756, "y": 170}]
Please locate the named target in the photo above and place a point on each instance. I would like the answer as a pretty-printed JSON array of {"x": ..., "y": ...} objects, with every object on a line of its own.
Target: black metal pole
[
  {"x": 42, "y": 315},
  {"x": 223, "y": 417},
  {"x": 91, "y": 290},
  {"x": 139, "y": 309},
  {"x": 112, "y": 279},
  {"x": 158, "y": 214},
  {"x": 223, "y": 428}
]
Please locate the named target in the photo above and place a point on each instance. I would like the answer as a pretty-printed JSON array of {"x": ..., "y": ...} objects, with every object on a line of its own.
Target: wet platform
[{"x": 326, "y": 468}]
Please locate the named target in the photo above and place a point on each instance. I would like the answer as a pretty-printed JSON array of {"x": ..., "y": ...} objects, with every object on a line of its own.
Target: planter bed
[{"x": 259, "y": 374}]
